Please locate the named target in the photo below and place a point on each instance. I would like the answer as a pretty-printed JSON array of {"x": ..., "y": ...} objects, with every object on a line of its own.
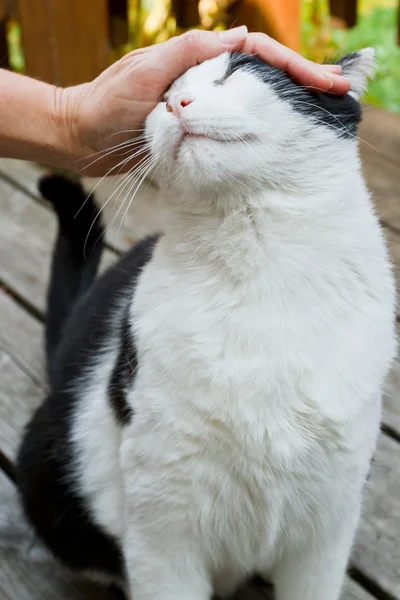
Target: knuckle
[{"x": 192, "y": 38}]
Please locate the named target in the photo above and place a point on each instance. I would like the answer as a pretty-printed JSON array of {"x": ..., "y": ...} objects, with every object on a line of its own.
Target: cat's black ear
[{"x": 358, "y": 67}]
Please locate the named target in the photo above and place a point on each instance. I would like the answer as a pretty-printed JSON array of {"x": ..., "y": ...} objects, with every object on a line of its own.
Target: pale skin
[{"x": 73, "y": 127}]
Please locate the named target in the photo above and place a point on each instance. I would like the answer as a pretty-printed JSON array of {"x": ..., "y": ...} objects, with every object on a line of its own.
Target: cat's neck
[{"x": 239, "y": 235}]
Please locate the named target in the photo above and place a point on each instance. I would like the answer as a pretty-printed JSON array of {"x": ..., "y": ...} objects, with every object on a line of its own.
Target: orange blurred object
[{"x": 281, "y": 20}]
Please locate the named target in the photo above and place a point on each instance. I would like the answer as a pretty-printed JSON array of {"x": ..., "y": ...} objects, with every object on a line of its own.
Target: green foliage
[
  {"x": 16, "y": 55},
  {"x": 376, "y": 27}
]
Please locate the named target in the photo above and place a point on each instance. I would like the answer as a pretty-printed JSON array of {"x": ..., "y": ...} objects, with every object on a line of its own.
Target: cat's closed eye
[{"x": 222, "y": 80}]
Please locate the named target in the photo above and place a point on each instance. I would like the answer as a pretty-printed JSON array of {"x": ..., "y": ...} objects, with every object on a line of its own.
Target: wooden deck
[{"x": 26, "y": 235}]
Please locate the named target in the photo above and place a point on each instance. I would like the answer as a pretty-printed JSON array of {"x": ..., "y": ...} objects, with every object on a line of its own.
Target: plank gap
[
  {"x": 47, "y": 205},
  {"x": 18, "y": 186},
  {"x": 369, "y": 585},
  {"x": 389, "y": 226},
  {"x": 43, "y": 202},
  {"x": 8, "y": 467},
  {"x": 22, "y": 302},
  {"x": 390, "y": 432}
]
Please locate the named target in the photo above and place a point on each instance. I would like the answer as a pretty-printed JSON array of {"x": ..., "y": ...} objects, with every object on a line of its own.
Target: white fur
[
  {"x": 264, "y": 327},
  {"x": 360, "y": 71}
]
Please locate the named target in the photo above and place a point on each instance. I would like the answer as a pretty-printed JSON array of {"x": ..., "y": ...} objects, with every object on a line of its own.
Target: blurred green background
[
  {"x": 376, "y": 27},
  {"x": 321, "y": 37}
]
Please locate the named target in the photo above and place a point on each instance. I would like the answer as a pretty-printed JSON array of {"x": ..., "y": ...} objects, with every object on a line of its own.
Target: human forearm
[{"x": 36, "y": 121}]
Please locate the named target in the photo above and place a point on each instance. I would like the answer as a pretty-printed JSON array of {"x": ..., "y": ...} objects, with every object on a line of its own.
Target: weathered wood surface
[
  {"x": 392, "y": 400},
  {"x": 26, "y": 571},
  {"x": 377, "y": 548},
  {"x": 381, "y": 130},
  {"x": 28, "y": 230},
  {"x": 147, "y": 213},
  {"x": 21, "y": 337},
  {"x": 19, "y": 396},
  {"x": 26, "y": 237},
  {"x": 74, "y": 39}
]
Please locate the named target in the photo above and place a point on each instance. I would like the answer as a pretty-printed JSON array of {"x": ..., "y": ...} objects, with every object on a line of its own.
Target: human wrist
[
  {"x": 38, "y": 121},
  {"x": 62, "y": 108}
]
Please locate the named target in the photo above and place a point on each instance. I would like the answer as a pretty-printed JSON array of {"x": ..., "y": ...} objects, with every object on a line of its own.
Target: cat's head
[{"x": 236, "y": 121}]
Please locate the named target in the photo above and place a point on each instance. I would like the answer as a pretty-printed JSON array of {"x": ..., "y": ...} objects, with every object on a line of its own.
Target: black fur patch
[
  {"x": 49, "y": 497},
  {"x": 123, "y": 374},
  {"x": 340, "y": 113},
  {"x": 78, "y": 215},
  {"x": 76, "y": 255},
  {"x": 45, "y": 478},
  {"x": 83, "y": 315}
]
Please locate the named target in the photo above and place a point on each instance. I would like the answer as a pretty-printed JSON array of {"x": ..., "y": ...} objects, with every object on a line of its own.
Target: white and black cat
[{"x": 216, "y": 395}]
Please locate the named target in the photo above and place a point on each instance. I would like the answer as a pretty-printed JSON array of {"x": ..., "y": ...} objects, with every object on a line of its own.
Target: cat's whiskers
[
  {"x": 121, "y": 164},
  {"x": 143, "y": 172},
  {"x": 130, "y": 176},
  {"x": 114, "y": 149},
  {"x": 109, "y": 199}
]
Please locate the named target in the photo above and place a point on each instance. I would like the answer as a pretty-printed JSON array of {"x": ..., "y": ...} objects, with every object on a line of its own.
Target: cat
[{"x": 215, "y": 397}]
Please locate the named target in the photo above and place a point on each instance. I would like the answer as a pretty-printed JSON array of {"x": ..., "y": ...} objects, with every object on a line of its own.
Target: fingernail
[
  {"x": 232, "y": 36},
  {"x": 330, "y": 81}
]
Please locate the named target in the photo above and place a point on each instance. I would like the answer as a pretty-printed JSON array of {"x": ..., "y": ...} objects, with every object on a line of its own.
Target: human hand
[{"x": 112, "y": 109}]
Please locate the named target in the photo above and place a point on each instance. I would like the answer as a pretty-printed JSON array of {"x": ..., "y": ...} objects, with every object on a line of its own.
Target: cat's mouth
[{"x": 215, "y": 137}]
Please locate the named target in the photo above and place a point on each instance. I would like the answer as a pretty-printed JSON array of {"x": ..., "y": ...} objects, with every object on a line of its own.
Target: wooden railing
[
  {"x": 69, "y": 41},
  {"x": 64, "y": 41}
]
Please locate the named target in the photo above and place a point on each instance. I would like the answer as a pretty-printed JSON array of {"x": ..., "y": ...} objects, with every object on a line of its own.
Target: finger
[
  {"x": 317, "y": 77},
  {"x": 333, "y": 68},
  {"x": 302, "y": 70},
  {"x": 180, "y": 53}
]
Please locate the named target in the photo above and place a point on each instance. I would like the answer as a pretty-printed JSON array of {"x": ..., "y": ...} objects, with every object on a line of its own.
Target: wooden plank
[
  {"x": 73, "y": 36},
  {"x": 147, "y": 213},
  {"x": 28, "y": 232},
  {"x": 377, "y": 549},
  {"x": 21, "y": 173},
  {"x": 391, "y": 396},
  {"x": 352, "y": 591},
  {"x": 393, "y": 239},
  {"x": 383, "y": 179},
  {"x": 21, "y": 338},
  {"x": 381, "y": 130},
  {"x": 19, "y": 396},
  {"x": 391, "y": 399},
  {"x": 26, "y": 571}
]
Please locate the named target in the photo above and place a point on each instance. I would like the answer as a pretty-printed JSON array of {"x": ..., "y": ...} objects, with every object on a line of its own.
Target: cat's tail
[{"x": 76, "y": 254}]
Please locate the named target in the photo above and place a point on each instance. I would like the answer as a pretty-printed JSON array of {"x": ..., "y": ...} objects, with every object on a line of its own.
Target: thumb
[{"x": 180, "y": 53}]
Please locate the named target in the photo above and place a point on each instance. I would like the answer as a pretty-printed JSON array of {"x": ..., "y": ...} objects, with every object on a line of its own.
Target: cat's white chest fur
[{"x": 260, "y": 431}]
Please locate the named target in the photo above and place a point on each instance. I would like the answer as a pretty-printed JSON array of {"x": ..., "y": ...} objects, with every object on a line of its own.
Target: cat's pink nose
[{"x": 177, "y": 102}]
